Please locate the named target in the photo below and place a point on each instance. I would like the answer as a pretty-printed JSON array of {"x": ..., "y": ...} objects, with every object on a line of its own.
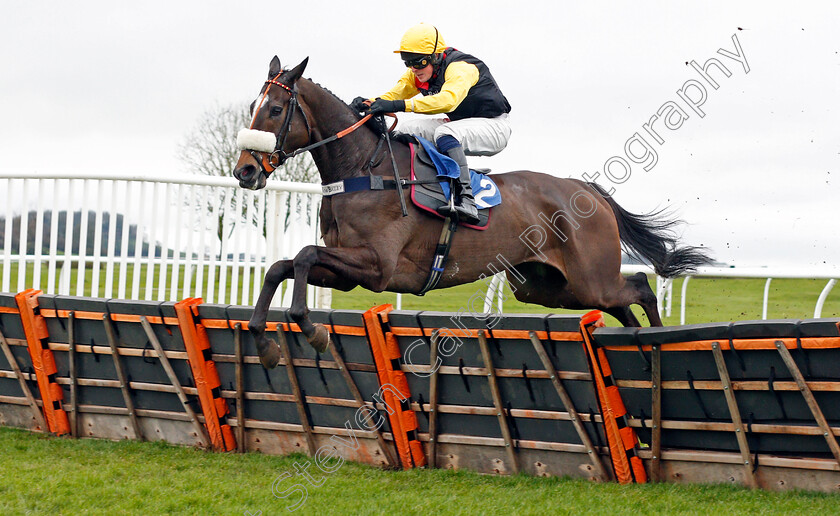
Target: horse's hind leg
[
  {"x": 634, "y": 290},
  {"x": 624, "y": 315},
  {"x": 645, "y": 297},
  {"x": 549, "y": 287},
  {"x": 615, "y": 297}
]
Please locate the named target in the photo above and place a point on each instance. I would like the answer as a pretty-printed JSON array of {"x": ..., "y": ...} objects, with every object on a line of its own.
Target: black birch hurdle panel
[
  {"x": 507, "y": 395},
  {"x": 752, "y": 402},
  {"x": 119, "y": 387},
  {"x": 308, "y": 398}
]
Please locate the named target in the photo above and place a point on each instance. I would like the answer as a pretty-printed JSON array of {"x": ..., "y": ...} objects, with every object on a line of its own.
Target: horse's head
[{"x": 278, "y": 127}]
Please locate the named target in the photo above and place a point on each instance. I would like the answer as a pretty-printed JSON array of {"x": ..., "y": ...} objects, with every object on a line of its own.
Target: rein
[{"x": 279, "y": 156}]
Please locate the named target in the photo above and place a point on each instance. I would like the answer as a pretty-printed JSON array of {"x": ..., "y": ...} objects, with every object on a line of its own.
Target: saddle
[
  {"x": 428, "y": 194},
  {"x": 429, "y": 183}
]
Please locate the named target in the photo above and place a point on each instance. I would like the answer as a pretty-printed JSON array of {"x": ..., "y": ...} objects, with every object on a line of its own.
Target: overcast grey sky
[{"x": 94, "y": 85}]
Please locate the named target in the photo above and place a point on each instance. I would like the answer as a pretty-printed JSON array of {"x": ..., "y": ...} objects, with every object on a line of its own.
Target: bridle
[
  {"x": 260, "y": 142},
  {"x": 276, "y": 158}
]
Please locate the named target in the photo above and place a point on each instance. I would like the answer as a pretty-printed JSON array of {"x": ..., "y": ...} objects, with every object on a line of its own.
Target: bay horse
[{"x": 370, "y": 243}]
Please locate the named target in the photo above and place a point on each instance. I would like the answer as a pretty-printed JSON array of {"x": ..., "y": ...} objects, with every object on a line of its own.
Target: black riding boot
[{"x": 465, "y": 202}]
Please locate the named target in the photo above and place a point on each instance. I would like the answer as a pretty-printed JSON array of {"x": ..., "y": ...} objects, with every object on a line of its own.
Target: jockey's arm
[
  {"x": 460, "y": 77},
  {"x": 404, "y": 89}
]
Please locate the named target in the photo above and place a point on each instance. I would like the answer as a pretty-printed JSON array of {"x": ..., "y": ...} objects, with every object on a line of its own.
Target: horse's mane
[{"x": 375, "y": 124}]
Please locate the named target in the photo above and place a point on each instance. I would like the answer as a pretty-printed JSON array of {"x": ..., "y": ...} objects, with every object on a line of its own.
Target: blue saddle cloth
[{"x": 485, "y": 191}]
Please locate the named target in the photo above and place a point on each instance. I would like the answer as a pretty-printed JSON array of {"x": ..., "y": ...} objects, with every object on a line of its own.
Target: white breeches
[{"x": 478, "y": 136}]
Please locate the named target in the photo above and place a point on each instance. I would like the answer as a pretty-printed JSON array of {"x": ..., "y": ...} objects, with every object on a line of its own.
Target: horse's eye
[{"x": 276, "y": 110}]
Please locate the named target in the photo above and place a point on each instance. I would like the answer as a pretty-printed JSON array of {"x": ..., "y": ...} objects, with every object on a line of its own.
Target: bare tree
[{"x": 210, "y": 149}]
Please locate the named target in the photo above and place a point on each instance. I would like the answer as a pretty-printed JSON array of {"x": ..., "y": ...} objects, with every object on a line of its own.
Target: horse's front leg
[
  {"x": 268, "y": 350},
  {"x": 360, "y": 265}
]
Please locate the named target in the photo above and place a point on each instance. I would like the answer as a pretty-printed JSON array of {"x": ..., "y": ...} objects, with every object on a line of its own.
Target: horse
[{"x": 579, "y": 229}]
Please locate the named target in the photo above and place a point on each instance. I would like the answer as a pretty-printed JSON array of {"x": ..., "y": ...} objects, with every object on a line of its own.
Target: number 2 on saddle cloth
[{"x": 427, "y": 162}]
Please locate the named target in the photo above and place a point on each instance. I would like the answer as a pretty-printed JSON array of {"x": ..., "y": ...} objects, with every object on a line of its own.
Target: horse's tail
[{"x": 651, "y": 238}]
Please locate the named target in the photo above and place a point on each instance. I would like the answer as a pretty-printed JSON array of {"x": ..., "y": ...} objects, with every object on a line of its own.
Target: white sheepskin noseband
[{"x": 260, "y": 141}]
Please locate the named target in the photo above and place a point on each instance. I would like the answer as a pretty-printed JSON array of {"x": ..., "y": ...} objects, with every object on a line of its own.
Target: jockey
[{"x": 458, "y": 85}]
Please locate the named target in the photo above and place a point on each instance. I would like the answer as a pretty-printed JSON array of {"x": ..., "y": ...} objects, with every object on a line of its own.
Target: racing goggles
[{"x": 418, "y": 63}]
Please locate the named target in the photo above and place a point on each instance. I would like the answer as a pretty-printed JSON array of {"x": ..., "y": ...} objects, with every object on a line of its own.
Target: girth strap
[
  {"x": 441, "y": 254},
  {"x": 358, "y": 184}
]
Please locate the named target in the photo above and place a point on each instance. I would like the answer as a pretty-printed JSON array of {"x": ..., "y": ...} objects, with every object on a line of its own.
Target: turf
[{"x": 48, "y": 475}]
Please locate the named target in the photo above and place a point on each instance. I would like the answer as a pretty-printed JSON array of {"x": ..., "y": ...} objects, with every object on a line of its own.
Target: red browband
[{"x": 278, "y": 83}]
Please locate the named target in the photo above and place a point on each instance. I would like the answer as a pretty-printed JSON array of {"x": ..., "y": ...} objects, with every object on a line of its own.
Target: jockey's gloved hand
[
  {"x": 359, "y": 104},
  {"x": 404, "y": 138},
  {"x": 380, "y": 106}
]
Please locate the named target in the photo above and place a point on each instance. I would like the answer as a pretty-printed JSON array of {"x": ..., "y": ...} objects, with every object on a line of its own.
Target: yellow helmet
[{"x": 422, "y": 39}]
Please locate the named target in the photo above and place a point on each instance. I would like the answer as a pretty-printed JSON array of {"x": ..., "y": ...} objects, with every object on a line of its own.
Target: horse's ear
[
  {"x": 296, "y": 72},
  {"x": 274, "y": 68}
]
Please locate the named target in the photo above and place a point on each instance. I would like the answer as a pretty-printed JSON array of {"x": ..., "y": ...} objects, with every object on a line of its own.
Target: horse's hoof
[
  {"x": 319, "y": 340},
  {"x": 269, "y": 352}
]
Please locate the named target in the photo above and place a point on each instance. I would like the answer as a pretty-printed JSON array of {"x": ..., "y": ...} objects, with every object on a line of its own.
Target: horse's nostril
[{"x": 245, "y": 172}]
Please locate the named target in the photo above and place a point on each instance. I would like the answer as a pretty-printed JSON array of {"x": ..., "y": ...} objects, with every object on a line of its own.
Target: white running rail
[
  {"x": 155, "y": 237},
  {"x": 664, "y": 287},
  {"x": 665, "y": 294}
]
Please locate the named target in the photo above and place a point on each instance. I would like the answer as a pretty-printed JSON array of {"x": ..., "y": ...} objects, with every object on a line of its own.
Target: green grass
[
  {"x": 708, "y": 300},
  {"x": 48, "y": 475}
]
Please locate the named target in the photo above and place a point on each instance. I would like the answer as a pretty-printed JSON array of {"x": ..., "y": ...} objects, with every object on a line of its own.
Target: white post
[
  {"x": 112, "y": 241},
  {"x": 247, "y": 246},
  {"x": 202, "y": 244},
  {"x": 682, "y": 299},
  {"x": 500, "y": 298},
  {"x": 97, "y": 239},
  {"x": 126, "y": 207},
  {"x": 325, "y": 298},
  {"x": 272, "y": 237},
  {"x": 53, "y": 258},
  {"x": 176, "y": 245},
  {"x": 494, "y": 290},
  {"x": 7, "y": 238},
  {"x": 24, "y": 237},
  {"x": 223, "y": 262},
  {"x": 660, "y": 294},
  {"x": 64, "y": 285},
  {"x": 83, "y": 238},
  {"x": 766, "y": 299},
  {"x": 237, "y": 247},
  {"x": 39, "y": 235},
  {"x": 64, "y": 277},
  {"x": 823, "y": 296},
  {"x": 189, "y": 263},
  {"x": 213, "y": 262},
  {"x": 152, "y": 254},
  {"x": 260, "y": 266},
  {"x": 138, "y": 242}
]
